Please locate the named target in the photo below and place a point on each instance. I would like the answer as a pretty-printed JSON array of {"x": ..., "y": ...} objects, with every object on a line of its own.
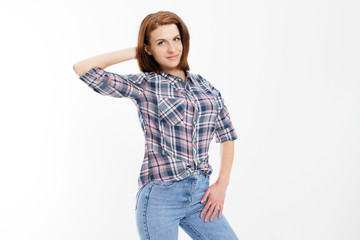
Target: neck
[{"x": 179, "y": 73}]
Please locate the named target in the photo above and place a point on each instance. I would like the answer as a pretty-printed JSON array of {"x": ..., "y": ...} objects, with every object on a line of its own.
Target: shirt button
[
  {"x": 194, "y": 122},
  {"x": 195, "y": 173},
  {"x": 194, "y": 140}
]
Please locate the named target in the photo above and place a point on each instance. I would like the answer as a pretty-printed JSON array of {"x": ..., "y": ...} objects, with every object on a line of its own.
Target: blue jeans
[{"x": 162, "y": 206}]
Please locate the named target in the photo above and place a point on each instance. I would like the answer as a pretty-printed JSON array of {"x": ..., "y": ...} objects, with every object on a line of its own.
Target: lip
[{"x": 173, "y": 57}]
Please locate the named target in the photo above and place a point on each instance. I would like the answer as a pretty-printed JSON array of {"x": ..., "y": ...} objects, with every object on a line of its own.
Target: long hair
[{"x": 146, "y": 62}]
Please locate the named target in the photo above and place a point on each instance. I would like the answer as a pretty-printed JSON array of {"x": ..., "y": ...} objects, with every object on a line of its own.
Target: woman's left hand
[{"x": 216, "y": 193}]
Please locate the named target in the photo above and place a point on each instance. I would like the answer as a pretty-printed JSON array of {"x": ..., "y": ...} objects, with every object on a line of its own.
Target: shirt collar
[{"x": 174, "y": 78}]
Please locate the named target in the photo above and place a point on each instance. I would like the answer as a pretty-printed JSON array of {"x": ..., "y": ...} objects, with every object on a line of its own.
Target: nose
[{"x": 171, "y": 48}]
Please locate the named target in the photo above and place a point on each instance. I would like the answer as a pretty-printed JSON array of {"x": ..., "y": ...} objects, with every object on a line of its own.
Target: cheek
[
  {"x": 180, "y": 46},
  {"x": 158, "y": 53}
]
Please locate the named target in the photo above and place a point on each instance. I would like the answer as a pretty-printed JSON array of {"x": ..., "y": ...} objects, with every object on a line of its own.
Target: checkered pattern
[{"x": 179, "y": 120}]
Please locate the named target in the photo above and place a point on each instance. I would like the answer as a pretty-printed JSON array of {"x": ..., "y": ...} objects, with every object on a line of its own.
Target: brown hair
[{"x": 146, "y": 62}]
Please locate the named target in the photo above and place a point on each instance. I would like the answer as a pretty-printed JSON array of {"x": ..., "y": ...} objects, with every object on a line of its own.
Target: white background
[{"x": 289, "y": 74}]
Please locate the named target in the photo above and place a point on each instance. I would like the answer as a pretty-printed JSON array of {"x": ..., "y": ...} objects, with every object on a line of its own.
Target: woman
[{"x": 180, "y": 113}]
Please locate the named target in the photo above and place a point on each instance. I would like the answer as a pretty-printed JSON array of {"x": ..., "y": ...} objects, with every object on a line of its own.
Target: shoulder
[
  {"x": 199, "y": 78},
  {"x": 149, "y": 74},
  {"x": 206, "y": 84},
  {"x": 202, "y": 80},
  {"x": 196, "y": 77},
  {"x": 140, "y": 76}
]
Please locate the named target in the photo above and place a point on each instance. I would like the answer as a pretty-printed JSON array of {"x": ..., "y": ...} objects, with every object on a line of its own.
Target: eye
[
  {"x": 178, "y": 38},
  {"x": 160, "y": 43}
]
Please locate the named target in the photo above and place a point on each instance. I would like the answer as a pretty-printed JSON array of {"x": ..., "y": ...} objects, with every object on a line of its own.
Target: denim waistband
[{"x": 193, "y": 173}]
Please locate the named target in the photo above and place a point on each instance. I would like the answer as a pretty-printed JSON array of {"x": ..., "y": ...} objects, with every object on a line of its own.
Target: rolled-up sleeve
[
  {"x": 224, "y": 129},
  {"x": 113, "y": 84}
]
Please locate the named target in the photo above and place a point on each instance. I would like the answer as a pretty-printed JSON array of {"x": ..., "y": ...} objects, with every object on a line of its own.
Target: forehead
[{"x": 164, "y": 32}]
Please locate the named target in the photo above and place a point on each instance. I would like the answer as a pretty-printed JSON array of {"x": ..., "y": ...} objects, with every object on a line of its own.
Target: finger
[
  {"x": 207, "y": 205},
  {"x": 216, "y": 209},
  {"x": 205, "y": 196},
  {"x": 221, "y": 209},
  {"x": 209, "y": 212}
]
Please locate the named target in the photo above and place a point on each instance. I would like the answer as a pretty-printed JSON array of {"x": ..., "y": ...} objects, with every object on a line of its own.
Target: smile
[{"x": 173, "y": 57}]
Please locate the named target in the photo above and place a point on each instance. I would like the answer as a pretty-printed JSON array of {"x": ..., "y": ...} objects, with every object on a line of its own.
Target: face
[{"x": 166, "y": 47}]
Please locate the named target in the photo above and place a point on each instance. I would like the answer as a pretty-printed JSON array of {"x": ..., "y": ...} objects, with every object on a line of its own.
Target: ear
[{"x": 147, "y": 49}]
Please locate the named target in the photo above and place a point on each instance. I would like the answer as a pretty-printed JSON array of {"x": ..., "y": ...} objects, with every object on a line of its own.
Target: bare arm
[
  {"x": 217, "y": 191},
  {"x": 104, "y": 60},
  {"x": 227, "y": 156}
]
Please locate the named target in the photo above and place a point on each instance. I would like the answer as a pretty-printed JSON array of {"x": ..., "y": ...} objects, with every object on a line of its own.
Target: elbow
[
  {"x": 79, "y": 70},
  {"x": 75, "y": 68}
]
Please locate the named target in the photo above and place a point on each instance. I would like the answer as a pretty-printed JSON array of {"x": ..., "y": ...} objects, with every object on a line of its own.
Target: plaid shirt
[{"x": 178, "y": 120}]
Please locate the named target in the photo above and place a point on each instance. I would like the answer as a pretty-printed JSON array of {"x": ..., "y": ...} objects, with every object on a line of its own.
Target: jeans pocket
[
  {"x": 137, "y": 196},
  {"x": 163, "y": 184}
]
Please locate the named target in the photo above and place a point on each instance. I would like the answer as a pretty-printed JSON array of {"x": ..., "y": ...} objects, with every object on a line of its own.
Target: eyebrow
[{"x": 165, "y": 39}]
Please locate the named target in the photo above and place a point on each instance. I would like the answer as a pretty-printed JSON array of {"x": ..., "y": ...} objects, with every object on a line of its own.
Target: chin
[{"x": 172, "y": 66}]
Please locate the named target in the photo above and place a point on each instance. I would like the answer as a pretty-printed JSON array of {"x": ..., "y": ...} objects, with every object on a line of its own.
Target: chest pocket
[{"x": 171, "y": 110}]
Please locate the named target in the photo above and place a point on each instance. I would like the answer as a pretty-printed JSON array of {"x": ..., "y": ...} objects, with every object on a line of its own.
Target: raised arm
[
  {"x": 104, "y": 60},
  {"x": 91, "y": 71}
]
